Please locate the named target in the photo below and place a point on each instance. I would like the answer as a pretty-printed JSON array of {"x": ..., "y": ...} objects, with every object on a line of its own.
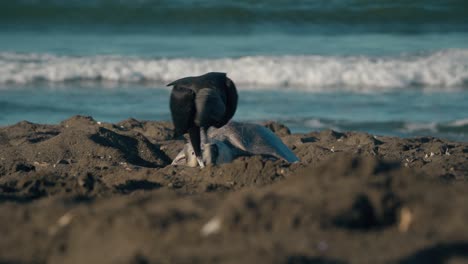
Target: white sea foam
[
  {"x": 441, "y": 70},
  {"x": 459, "y": 123},
  {"x": 415, "y": 127},
  {"x": 316, "y": 123}
]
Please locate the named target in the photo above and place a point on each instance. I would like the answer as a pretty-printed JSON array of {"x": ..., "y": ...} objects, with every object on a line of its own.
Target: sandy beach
[
  {"x": 371, "y": 96},
  {"x": 89, "y": 192}
]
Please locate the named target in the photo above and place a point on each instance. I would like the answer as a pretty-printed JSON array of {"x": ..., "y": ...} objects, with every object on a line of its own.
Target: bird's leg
[
  {"x": 203, "y": 136},
  {"x": 194, "y": 134},
  {"x": 206, "y": 147}
]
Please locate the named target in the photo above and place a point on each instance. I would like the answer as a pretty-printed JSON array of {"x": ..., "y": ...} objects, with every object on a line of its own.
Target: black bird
[{"x": 200, "y": 102}]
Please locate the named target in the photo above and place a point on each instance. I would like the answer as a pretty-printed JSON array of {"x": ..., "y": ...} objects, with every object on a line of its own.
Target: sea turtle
[{"x": 236, "y": 139}]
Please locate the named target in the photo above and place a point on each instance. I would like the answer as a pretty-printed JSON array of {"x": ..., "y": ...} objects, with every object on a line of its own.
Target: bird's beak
[{"x": 200, "y": 162}]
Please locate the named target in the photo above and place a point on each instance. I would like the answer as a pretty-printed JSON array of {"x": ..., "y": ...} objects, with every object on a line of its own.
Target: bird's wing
[
  {"x": 210, "y": 107},
  {"x": 215, "y": 100},
  {"x": 183, "y": 81},
  {"x": 231, "y": 100},
  {"x": 182, "y": 109},
  {"x": 219, "y": 102}
]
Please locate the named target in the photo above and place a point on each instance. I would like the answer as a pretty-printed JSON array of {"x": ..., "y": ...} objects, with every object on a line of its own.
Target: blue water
[{"x": 388, "y": 67}]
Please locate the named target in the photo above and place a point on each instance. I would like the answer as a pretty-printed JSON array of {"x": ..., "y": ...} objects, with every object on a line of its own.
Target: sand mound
[{"x": 83, "y": 191}]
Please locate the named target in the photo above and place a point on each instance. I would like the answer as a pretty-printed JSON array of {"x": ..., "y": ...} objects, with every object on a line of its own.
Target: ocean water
[{"x": 384, "y": 67}]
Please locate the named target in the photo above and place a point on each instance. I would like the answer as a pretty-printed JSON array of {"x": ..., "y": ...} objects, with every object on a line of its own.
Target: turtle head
[
  {"x": 213, "y": 153},
  {"x": 186, "y": 157}
]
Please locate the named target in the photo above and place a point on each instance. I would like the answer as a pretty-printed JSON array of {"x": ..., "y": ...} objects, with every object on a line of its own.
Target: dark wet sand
[{"x": 85, "y": 192}]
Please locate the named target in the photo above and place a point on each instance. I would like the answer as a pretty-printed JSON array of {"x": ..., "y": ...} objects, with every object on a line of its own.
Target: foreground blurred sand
[{"x": 90, "y": 192}]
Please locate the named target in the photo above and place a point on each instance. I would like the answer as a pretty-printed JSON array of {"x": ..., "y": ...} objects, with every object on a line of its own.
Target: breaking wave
[{"x": 442, "y": 70}]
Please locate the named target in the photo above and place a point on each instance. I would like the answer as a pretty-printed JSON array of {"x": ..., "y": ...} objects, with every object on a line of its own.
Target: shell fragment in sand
[
  {"x": 211, "y": 227},
  {"x": 406, "y": 217},
  {"x": 63, "y": 221}
]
